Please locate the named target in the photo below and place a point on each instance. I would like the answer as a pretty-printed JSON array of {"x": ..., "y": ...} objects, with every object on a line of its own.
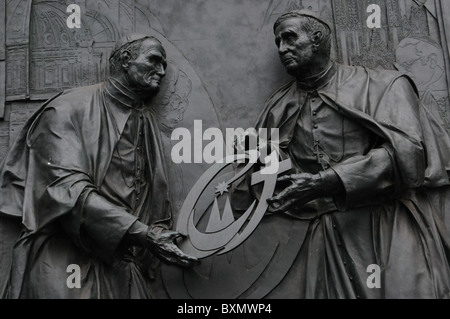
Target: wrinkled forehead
[
  {"x": 151, "y": 46},
  {"x": 292, "y": 24}
]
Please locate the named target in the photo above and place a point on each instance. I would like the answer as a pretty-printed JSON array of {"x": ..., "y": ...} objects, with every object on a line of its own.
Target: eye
[{"x": 291, "y": 38}]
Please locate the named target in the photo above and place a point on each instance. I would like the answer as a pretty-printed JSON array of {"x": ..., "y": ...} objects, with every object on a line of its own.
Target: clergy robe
[
  {"x": 367, "y": 127},
  {"x": 84, "y": 168}
]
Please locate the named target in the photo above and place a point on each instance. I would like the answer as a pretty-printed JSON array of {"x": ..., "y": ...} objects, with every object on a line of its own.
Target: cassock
[
  {"x": 83, "y": 170},
  {"x": 383, "y": 236}
]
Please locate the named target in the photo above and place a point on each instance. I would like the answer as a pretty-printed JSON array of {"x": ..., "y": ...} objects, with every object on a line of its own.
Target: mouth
[
  {"x": 151, "y": 76},
  {"x": 286, "y": 60},
  {"x": 153, "y": 80}
]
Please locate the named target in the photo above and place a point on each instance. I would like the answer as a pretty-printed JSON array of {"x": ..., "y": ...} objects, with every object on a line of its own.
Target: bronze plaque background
[{"x": 223, "y": 59}]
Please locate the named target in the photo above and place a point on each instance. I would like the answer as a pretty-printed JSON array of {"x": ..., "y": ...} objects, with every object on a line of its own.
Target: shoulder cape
[
  {"x": 385, "y": 102},
  {"x": 64, "y": 150}
]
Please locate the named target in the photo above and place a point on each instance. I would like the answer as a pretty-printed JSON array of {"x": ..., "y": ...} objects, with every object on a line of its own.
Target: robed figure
[
  {"x": 370, "y": 165},
  {"x": 86, "y": 177}
]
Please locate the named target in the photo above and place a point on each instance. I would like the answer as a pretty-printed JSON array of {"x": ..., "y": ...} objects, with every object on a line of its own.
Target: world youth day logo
[{"x": 207, "y": 217}]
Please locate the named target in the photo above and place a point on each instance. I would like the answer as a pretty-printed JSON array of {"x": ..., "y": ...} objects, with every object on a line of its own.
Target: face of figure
[
  {"x": 146, "y": 71},
  {"x": 295, "y": 49}
]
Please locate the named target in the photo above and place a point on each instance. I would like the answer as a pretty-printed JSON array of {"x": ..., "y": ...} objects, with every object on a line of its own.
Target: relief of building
[{"x": 40, "y": 56}]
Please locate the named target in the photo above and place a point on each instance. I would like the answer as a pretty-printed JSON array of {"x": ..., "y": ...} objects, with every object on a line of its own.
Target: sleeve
[
  {"x": 57, "y": 171},
  {"x": 98, "y": 226},
  {"x": 367, "y": 180},
  {"x": 398, "y": 163}
]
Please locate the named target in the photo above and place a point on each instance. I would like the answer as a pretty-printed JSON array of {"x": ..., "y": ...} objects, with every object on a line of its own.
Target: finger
[
  {"x": 184, "y": 257},
  {"x": 281, "y": 207},
  {"x": 274, "y": 202},
  {"x": 273, "y": 206},
  {"x": 175, "y": 256},
  {"x": 171, "y": 235},
  {"x": 189, "y": 260},
  {"x": 174, "y": 250},
  {"x": 282, "y": 195},
  {"x": 182, "y": 263},
  {"x": 190, "y": 264},
  {"x": 284, "y": 178},
  {"x": 176, "y": 235}
]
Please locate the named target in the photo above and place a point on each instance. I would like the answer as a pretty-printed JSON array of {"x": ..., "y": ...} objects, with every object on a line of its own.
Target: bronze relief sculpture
[
  {"x": 87, "y": 176},
  {"x": 91, "y": 181},
  {"x": 364, "y": 151}
]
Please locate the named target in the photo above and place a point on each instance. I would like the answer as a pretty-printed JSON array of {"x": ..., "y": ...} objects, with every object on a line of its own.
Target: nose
[
  {"x": 282, "y": 48},
  {"x": 161, "y": 70}
]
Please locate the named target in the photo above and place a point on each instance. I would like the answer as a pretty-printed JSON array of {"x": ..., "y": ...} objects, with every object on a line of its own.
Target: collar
[
  {"x": 121, "y": 101},
  {"x": 317, "y": 81},
  {"x": 122, "y": 95}
]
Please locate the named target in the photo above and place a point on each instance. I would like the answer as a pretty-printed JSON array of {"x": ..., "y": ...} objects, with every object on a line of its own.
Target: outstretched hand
[
  {"x": 163, "y": 246},
  {"x": 304, "y": 188}
]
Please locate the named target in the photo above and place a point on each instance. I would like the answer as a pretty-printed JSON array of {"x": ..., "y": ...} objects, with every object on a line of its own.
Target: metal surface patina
[{"x": 115, "y": 180}]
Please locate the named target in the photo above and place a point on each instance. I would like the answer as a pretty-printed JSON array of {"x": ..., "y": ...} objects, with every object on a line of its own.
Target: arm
[
  {"x": 60, "y": 191},
  {"x": 100, "y": 227},
  {"x": 359, "y": 181},
  {"x": 377, "y": 176}
]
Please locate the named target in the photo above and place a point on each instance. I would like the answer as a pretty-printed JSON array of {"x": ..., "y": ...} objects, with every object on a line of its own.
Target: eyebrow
[
  {"x": 285, "y": 33},
  {"x": 159, "y": 55},
  {"x": 289, "y": 31},
  {"x": 155, "y": 48},
  {"x": 155, "y": 52}
]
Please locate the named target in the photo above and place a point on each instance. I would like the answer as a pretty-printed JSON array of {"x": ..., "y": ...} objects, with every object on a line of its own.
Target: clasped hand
[
  {"x": 304, "y": 188},
  {"x": 164, "y": 247}
]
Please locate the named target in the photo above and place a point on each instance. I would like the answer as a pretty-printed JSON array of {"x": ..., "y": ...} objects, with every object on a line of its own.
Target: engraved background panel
[
  {"x": 229, "y": 44},
  {"x": 223, "y": 59}
]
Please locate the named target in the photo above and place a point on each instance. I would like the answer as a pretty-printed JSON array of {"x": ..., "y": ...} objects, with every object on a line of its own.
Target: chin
[
  {"x": 291, "y": 70},
  {"x": 150, "y": 90},
  {"x": 155, "y": 88}
]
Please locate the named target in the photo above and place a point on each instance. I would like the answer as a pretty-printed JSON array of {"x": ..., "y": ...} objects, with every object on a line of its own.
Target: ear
[
  {"x": 316, "y": 38},
  {"x": 126, "y": 57}
]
